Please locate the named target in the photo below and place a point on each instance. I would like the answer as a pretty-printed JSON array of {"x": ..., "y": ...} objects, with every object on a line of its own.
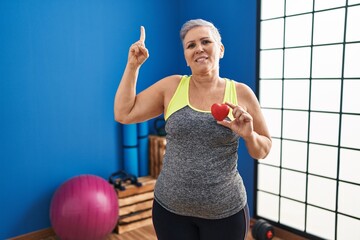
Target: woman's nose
[{"x": 199, "y": 48}]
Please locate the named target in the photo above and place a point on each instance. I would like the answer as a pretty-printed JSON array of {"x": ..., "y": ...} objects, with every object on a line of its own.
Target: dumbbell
[{"x": 262, "y": 230}]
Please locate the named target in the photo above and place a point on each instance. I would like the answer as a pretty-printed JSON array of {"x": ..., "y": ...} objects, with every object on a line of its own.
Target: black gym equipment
[
  {"x": 262, "y": 230},
  {"x": 120, "y": 177},
  {"x": 159, "y": 125}
]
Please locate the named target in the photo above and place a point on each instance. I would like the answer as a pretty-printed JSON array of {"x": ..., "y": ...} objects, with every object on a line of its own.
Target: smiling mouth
[{"x": 201, "y": 59}]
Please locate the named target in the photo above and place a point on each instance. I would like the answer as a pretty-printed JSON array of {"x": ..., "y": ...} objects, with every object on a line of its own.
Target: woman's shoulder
[
  {"x": 242, "y": 88},
  {"x": 172, "y": 80},
  {"x": 170, "y": 83},
  {"x": 246, "y": 96},
  {"x": 175, "y": 77}
]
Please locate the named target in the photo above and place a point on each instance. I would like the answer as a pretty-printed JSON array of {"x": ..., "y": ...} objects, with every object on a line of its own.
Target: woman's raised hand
[{"x": 138, "y": 53}]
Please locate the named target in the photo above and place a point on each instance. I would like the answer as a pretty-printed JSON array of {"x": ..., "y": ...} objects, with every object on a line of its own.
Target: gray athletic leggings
[{"x": 170, "y": 226}]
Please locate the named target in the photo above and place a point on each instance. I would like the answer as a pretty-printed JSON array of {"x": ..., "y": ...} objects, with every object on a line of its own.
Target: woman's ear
[{"x": 222, "y": 51}]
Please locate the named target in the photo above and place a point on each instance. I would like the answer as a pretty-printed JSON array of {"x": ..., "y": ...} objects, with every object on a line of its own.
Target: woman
[{"x": 199, "y": 193}]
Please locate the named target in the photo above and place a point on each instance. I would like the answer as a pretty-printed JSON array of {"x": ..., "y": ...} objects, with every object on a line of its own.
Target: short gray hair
[{"x": 199, "y": 23}]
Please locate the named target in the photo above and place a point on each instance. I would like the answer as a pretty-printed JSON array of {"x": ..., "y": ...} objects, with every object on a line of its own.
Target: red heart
[{"x": 220, "y": 111}]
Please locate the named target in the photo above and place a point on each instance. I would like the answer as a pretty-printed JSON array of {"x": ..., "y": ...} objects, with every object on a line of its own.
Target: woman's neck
[
  {"x": 207, "y": 81},
  {"x": 206, "y": 90}
]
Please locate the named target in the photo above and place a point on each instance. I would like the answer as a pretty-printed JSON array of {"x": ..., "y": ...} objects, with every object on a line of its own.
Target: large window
[{"x": 309, "y": 90}]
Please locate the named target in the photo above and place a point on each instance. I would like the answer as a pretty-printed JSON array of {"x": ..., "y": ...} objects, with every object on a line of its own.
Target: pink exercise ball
[{"x": 85, "y": 207}]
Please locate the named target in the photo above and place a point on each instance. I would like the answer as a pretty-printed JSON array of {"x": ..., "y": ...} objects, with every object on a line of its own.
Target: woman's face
[{"x": 202, "y": 52}]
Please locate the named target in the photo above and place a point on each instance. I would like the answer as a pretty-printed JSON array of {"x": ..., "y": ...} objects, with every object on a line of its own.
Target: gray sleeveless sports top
[{"x": 199, "y": 176}]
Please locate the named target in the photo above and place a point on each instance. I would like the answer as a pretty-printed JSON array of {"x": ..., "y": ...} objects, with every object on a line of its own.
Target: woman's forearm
[
  {"x": 258, "y": 146},
  {"x": 126, "y": 93}
]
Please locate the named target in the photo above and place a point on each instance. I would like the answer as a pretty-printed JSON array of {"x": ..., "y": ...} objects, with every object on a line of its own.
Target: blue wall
[{"x": 60, "y": 64}]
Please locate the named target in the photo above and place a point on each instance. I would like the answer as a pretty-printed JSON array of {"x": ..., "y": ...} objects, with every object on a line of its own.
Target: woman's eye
[
  {"x": 191, "y": 45},
  {"x": 206, "y": 42}
]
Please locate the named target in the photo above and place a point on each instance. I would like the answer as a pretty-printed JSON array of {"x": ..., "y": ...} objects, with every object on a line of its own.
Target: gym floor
[
  {"x": 144, "y": 233},
  {"x": 148, "y": 233}
]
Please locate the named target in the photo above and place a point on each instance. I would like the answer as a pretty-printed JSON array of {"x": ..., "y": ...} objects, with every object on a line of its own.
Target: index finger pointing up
[{"x": 142, "y": 34}]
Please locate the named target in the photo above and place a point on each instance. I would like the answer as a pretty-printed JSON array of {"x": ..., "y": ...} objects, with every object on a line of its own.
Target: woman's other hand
[{"x": 242, "y": 123}]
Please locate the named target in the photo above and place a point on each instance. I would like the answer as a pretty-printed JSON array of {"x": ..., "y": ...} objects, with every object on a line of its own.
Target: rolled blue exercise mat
[
  {"x": 143, "y": 129},
  {"x": 143, "y": 151},
  {"x": 129, "y": 135},
  {"x": 131, "y": 163}
]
